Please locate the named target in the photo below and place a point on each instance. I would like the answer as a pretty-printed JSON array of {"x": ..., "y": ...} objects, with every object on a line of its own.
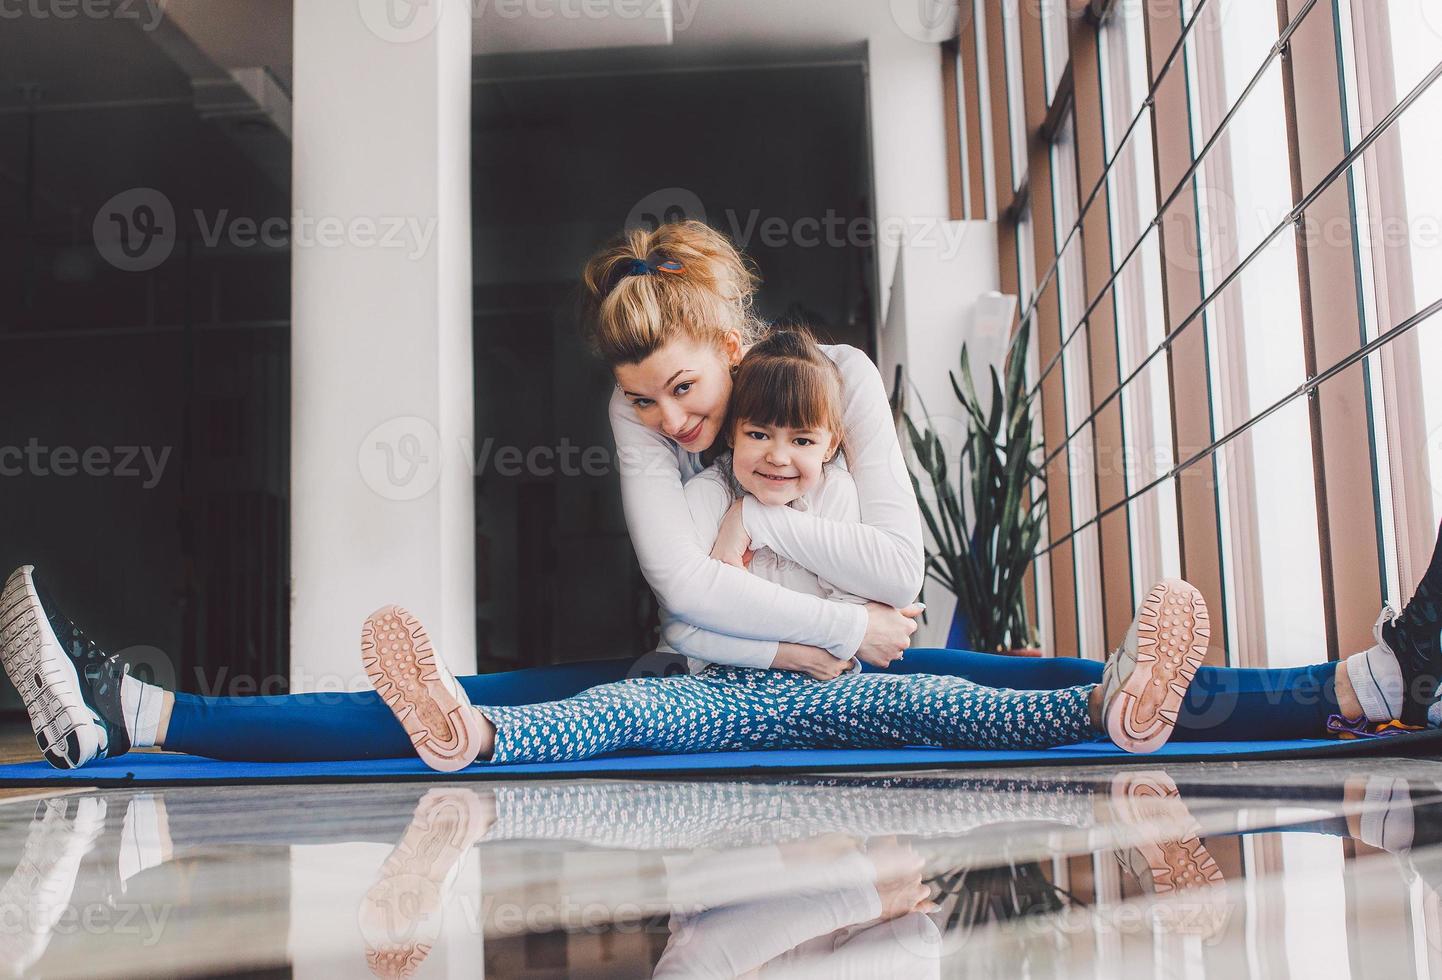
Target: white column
[{"x": 382, "y": 399}]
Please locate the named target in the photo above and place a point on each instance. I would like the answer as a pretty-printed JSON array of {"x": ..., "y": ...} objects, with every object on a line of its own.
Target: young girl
[{"x": 669, "y": 311}]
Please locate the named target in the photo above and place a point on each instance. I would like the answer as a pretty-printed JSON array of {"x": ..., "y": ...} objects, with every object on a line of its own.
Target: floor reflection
[{"x": 1257, "y": 869}]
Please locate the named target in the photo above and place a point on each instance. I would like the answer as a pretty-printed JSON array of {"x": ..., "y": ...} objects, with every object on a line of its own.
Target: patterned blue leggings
[{"x": 734, "y": 708}]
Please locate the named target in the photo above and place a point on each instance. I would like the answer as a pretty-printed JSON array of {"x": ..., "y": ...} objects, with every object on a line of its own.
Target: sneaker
[
  {"x": 402, "y": 915},
  {"x": 1414, "y": 636},
  {"x": 1146, "y": 678},
  {"x": 417, "y": 685},
  {"x": 70, "y": 686}
]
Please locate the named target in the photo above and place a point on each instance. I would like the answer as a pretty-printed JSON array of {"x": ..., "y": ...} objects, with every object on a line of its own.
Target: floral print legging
[{"x": 733, "y": 708}]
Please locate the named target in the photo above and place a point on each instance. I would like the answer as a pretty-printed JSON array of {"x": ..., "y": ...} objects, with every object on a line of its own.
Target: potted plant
[{"x": 984, "y": 530}]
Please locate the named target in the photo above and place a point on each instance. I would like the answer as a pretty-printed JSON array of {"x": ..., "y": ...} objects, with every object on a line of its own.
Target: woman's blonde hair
[{"x": 627, "y": 318}]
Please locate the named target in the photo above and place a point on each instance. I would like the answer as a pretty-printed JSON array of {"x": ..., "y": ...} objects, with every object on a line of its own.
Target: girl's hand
[
  {"x": 812, "y": 661},
  {"x": 733, "y": 544}
]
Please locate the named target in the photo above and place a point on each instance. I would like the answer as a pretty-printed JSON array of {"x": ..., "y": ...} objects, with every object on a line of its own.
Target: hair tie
[{"x": 644, "y": 267}]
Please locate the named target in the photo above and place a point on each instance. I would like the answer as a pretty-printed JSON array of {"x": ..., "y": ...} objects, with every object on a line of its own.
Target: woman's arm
[
  {"x": 692, "y": 585},
  {"x": 881, "y": 558}
]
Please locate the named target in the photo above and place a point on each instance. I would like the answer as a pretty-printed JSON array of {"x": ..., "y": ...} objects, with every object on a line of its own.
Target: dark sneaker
[
  {"x": 1147, "y": 677},
  {"x": 70, "y": 686},
  {"x": 1413, "y": 637}
]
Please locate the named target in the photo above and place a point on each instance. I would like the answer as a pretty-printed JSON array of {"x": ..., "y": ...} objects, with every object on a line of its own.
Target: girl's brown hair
[
  {"x": 627, "y": 318},
  {"x": 787, "y": 381}
]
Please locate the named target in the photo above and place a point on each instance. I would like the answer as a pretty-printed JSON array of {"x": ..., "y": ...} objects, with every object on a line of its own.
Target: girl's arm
[
  {"x": 678, "y": 565},
  {"x": 881, "y": 558}
]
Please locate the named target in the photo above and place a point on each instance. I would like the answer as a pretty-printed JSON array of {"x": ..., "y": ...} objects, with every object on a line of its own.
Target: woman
[{"x": 670, "y": 312}]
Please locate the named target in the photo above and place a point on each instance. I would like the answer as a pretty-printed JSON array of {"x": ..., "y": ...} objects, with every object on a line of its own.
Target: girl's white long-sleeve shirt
[
  {"x": 709, "y": 494},
  {"x": 880, "y": 557}
]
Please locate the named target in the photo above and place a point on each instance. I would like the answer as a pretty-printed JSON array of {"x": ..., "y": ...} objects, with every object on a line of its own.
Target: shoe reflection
[
  {"x": 38, "y": 894},
  {"x": 1167, "y": 857},
  {"x": 402, "y": 914}
]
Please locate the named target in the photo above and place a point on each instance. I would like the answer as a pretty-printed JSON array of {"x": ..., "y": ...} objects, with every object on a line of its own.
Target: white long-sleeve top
[
  {"x": 880, "y": 557},
  {"x": 708, "y": 495}
]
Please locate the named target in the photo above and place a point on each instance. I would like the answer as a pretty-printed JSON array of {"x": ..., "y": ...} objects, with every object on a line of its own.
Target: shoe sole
[
  {"x": 44, "y": 676},
  {"x": 1172, "y": 865},
  {"x": 1173, "y": 630},
  {"x": 397, "y": 656}
]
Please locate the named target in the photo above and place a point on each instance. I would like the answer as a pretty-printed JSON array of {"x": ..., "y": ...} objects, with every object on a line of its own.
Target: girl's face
[
  {"x": 777, "y": 465},
  {"x": 682, "y": 389}
]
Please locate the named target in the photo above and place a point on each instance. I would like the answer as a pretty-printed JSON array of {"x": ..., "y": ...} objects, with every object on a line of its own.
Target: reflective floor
[{"x": 1251, "y": 869}]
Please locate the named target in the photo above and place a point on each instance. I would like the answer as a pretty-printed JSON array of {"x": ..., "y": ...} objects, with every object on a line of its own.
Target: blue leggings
[{"x": 1222, "y": 705}]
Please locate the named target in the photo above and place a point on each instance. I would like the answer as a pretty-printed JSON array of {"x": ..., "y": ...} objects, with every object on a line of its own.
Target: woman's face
[{"x": 682, "y": 389}]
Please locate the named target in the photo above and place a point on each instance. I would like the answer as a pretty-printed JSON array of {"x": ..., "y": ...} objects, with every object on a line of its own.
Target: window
[
  {"x": 983, "y": 74},
  {"x": 1137, "y": 299},
  {"x": 1389, "y": 48},
  {"x": 1056, "y": 45},
  {"x": 1225, "y": 307},
  {"x": 1076, "y": 385},
  {"x": 1122, "y": 54},
  {"x": 1266, "y": 493},
  {"x": 1041, "y": 568},
  {"x": 1015, "y": 94}
]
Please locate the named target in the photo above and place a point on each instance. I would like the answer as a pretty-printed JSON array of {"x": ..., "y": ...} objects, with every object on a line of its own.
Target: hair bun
[{"x": 789, "y": 339}]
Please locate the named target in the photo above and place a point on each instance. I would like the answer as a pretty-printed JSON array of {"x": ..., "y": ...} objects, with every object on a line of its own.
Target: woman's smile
[{"x": 690, "y": 435}]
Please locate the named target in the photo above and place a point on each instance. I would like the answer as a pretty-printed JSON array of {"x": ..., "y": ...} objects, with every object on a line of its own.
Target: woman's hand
[
  {"x": 733, "y": 544},
  {"x": 812, "y": 661},
  {"x": 888, "y": 633}
]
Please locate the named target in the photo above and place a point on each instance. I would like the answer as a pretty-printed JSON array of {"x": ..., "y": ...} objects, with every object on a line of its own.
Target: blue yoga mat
[{"x": 165, "y": 768}]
